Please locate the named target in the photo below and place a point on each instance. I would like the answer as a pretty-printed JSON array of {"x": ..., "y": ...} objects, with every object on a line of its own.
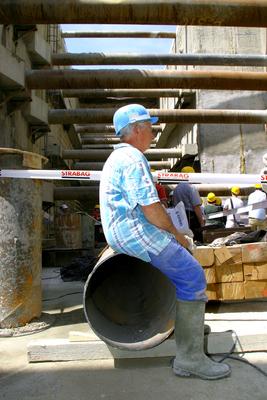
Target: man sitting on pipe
[{"x": 135, "y": 223}]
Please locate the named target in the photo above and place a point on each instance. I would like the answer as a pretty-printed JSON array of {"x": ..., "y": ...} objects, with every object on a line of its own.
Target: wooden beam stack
[{"x": 235, "y": 272}]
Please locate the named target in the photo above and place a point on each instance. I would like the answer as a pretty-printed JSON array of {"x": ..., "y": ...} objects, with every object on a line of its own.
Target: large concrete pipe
[
  {"x": 164, "y": 12},
  {"x": 102, "y": 155},
  {"x": 121, "y": 93},
  {"x": 188, "y": 116},
  {"x": 137, "y": 78},
  {"x": 129, "y": 303},
  {"x": 20, "y": 241},
  {"x": 98, "y": 166},
  {"x": 104, "y": 129},
  {"x": 119, "y": 34},
  {"x": 241, "y": 60}
]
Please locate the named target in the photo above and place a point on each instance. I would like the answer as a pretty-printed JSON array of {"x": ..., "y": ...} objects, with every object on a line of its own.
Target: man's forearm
[
  {"x": 156, "y": 215},
  {"x": 199, "y": 215}
]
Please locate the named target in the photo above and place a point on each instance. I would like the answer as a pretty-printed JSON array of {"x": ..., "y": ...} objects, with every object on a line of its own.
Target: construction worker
[
  {"x": 219, "y": 204},
  {"x": 212, "y": 208},
  {"x": 96, "y": 212},
  {"x": 161, "y": 192},
  {"x": 136, "y": 223},
  {"x": 218, "y": 201},
  {"x": 187, "y": 193},
  {"x": 257, "y": 218},
  {"x": 233, "y": 220}
]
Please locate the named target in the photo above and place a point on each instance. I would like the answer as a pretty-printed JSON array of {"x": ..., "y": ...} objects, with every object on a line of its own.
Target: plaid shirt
[{"x": 126, "y": 185}]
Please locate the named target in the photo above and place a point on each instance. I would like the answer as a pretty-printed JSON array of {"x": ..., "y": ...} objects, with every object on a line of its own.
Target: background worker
[
  {"x": 233, "y": 221},
  {"x": 99, "y": 234},
  {"x": 187, "y": 193},
  {"x": 219, "y": 204},
  {"x": 161, "y": 193},
  {"x": 257, "y": 218},
  {"x": 211, "y": 208},
  {"x": 96, "y": 212},
  {"x": 136, "y": 223}
]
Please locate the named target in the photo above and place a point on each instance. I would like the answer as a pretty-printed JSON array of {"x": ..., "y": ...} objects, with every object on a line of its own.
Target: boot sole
[{"x": 183, "y": 373}]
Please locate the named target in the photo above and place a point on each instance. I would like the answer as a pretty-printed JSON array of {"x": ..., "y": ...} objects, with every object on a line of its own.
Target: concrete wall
[
  {"x": 23, "y": 113},
  {"x": 225, "y": 148}
]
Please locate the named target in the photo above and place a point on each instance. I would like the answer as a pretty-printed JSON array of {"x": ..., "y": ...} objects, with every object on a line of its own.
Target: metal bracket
[
  {"x": 21, "y": 30},
  {"x": 38, "y": 131}
]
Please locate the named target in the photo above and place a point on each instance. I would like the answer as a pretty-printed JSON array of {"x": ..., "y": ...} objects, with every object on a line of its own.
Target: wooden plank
[
  {"x": 204, "y": 255},
  {"x": 211, "y": 291},
  {"x": 255, "y": 289},
  {"x": 63, "y": 350},
  {"x": 254, "y": 252},
  {"x": 255, "y": 271},
  {"x": 231, "y": 291},
  {"x": 210, "y": 275},
  {"x": 222, "y": 254},
  {"x": 76, "y": 336},
  {"x": 236, "y": 255},
  {"x": 229, "y": 273}
]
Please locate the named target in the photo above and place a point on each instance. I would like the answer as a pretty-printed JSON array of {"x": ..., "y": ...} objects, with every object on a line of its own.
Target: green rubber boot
[{"x": 189, "y": 336}]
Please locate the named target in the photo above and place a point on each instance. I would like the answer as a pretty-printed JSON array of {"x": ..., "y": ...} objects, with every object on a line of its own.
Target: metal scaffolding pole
[
  {"x": 98, "y": 140},
  {"x": 102, "y": 155},
  {"x": 121, "y": 93},
  {"x": 189, "y": 116},
  {"x": 105, "y": 146},
  {"x": 92, "y": 192},
  {"x": 98, "y": 166},
  {"x": 119, "y": 34},
  {"x": 104, "y": 129},
  {"x": 76, "y": 193},
  {"x": 165, "y": 12},
  {"x": 137, "y": 78},
  {"x": 159, "y": 59}
]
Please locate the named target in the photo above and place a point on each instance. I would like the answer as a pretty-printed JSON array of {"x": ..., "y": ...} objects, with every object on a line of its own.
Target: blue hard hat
[{"x": 129, "y": 114}]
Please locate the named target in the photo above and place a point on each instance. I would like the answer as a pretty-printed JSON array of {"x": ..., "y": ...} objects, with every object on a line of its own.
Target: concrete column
[{"x": 20, "y": 241}]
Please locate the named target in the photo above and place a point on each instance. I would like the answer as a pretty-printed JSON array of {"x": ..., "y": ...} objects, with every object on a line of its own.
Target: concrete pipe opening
[{"x": 129, "y": 303}]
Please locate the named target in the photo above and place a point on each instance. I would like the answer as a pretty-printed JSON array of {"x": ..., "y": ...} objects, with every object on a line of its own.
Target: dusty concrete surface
[{"x": 131, "y": 379}]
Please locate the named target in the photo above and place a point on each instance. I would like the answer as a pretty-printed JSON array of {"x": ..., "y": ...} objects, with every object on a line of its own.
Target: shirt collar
[{"x": 118, "y": 146}]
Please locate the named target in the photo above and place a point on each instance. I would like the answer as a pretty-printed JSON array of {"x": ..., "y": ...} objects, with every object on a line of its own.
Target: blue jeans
[{"x": 183, "y": 270}]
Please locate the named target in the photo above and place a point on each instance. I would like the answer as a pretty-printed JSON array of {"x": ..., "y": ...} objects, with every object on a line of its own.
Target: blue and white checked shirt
[{"x": 126, "y": 185}]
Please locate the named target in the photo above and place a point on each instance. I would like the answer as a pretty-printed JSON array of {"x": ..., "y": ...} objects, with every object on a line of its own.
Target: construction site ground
[{"x": 131, "y": 379}]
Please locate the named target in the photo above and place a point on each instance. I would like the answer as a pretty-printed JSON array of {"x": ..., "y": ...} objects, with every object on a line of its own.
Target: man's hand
[{"x": 182, "y": 240}]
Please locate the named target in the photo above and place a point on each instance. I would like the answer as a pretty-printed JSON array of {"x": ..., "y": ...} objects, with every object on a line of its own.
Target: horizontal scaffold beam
[
  {"x": 76, "y": 192},
  {"x": 102, "y": 155},
  {"x": 98, "y": 166},
  {"x": 92, "y": 192},
  {"x": 102, "y": 140},
  {"x": 121, "y": 93},
  {"x": 91, "y": 129},
  {"x": 119, "y": 34},
  {"x": 137, "y": 78},
  {"x": 241, "y": 60},
  {"x": 190, "y": 116},
  {"x": 164, "y": 12}
]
